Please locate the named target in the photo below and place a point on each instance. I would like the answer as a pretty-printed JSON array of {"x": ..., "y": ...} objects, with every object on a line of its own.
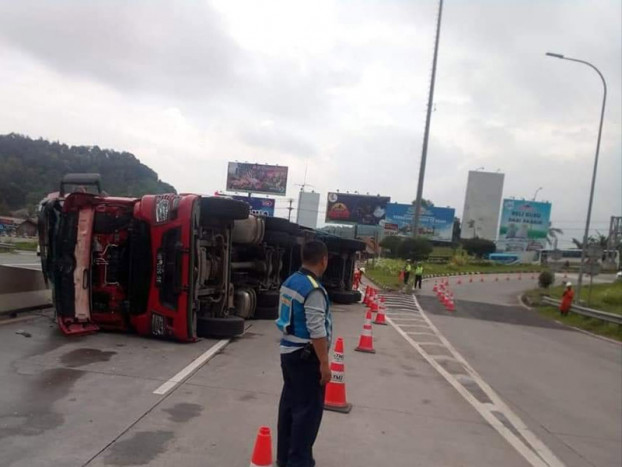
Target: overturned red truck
[{"x": 179, "y": 266}]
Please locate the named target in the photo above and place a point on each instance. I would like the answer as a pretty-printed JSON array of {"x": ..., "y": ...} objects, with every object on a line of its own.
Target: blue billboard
[
  {"x": 259, "y": 206},
  {"x": 434, "y": 223},
  {"x": 524, "y": 225}
]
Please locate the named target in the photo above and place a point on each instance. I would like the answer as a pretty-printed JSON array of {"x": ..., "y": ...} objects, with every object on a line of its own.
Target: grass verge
[
  {"x": 596, "y": 326},
  {"x": 385, "y": 271},
  {"x": 604, "y": 297}
]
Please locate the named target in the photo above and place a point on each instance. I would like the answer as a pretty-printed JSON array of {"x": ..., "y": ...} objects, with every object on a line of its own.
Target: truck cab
[{"x": 158, "y": 265}]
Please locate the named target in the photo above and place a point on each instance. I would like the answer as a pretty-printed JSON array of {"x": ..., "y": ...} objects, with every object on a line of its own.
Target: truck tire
[
  {"x": 266, "y": 312},
  {"x": 231, "y": 326},
  {"x": 273, "y": 237},
  {"x": 278, "y": 224},
  {"x": 344, "y": 297},
  {"x": 268, "y": 299},
  {"x": 340, "y": 244},
  {"x": 230, "y": 209}
]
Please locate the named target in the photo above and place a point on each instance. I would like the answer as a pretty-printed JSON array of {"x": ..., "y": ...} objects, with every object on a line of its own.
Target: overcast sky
[{"x": 338, "y": 87}]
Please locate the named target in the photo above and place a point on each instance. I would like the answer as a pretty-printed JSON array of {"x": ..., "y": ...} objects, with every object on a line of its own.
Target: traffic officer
[
  {"x": 306, "y": 323},
  {"x": 418, "y": 274}
]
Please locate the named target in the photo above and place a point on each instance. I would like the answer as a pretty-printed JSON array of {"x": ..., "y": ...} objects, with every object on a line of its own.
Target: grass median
[
  {"x": 385, "y": 271},
  {"x": 605, "y": 297}
]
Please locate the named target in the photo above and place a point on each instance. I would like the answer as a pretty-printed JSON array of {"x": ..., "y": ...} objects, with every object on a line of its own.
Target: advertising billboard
[
  {"x": 434, "y": 223},
  {"x": 257, "y": 178},
  {"x": 259, "y": 206},
  {"x": 524, "y": 225},
  {"x": 482, "y": 203},
  {"x": 345, "y": 208}
]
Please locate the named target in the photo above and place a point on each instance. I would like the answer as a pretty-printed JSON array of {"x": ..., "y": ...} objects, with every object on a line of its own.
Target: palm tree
[{"x": 551, "y": 235}]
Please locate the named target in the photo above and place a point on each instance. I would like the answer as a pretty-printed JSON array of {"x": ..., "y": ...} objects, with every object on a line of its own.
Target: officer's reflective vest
[
  {"x": 292, "y": 320},
  {"x": 419, "y": 270}
]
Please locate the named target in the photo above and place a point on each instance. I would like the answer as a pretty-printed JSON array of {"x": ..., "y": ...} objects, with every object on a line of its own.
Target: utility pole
[
  {"x": 290, "y": 209},
  {"x": 424, "y": 152}
]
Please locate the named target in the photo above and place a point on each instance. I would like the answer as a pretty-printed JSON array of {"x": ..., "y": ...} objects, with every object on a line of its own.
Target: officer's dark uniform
[{"x": 301, "y": 318}]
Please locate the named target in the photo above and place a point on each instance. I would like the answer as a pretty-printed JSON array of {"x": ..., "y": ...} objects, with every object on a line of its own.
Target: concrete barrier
[{"x": 22, "y": 289}]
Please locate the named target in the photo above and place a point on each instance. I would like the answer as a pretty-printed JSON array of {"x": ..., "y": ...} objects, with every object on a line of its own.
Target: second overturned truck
[{"x": 172, "y": 266}]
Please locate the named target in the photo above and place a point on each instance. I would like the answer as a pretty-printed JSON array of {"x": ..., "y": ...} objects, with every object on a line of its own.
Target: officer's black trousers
[{"x": 300, "y": 410}]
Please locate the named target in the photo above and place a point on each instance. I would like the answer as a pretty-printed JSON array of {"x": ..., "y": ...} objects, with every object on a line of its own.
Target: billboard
[
  {"x": 308, "y": 208},
  {"x": 259, "y": 206},
  {"x": 482, "y": 203},
  {"x": 434, "y": 223},
  {"x": 345, "y": 208},
  {"x": 524, "y": 225},
  {"x": 257, "y": 178}
]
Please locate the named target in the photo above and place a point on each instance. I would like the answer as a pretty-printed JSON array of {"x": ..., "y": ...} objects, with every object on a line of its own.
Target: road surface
[{"x": 98, "y": 400}]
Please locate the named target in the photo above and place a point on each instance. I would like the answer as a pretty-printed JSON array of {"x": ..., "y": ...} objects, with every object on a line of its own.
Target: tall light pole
[
  {"x": 426, "y": 134},
  {"x": 536, "y": 193},
  {"x": 600, "y": 131}
]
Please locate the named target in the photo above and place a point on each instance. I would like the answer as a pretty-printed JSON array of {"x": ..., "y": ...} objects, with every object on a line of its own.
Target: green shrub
[{"x": 545, "y": 279}]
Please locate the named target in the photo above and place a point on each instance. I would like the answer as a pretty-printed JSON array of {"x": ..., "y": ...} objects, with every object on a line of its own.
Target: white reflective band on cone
[{"x": 338, "y": 377}]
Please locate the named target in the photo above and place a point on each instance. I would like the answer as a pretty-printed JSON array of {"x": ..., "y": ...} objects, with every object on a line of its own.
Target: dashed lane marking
[
  {"x": 192, "y": 367},
  {"x": 474, "y": 389}
]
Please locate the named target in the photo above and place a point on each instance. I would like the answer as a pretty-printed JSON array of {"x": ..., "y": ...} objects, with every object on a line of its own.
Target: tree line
[{"x": 32, "y": 168}]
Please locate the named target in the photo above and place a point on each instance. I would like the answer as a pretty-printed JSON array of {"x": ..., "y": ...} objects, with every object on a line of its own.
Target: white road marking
[
  {"x": 192, "y": 367},
  {"x": 530, "y": 447}
]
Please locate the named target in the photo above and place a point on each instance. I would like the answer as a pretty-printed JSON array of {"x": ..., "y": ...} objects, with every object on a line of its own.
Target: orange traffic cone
[
  {"x": 374, "y": 305},
  {"x": 366, "y": 296},
  {"x": 435, "y": 288},
  {"x": 450, "y": 306},
  {"x": 335, "y": 398},
  {"x": 366, "y": 341},
  {"x": 380, "y": 317},
  {"x": 262, "y": 454}
]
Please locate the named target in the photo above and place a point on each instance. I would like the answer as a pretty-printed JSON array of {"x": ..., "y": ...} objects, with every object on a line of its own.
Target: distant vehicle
[{"x": 573, "y": 256}]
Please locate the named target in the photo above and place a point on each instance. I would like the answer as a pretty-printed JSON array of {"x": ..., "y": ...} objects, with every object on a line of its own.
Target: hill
[{"x": 30, "y": 169}]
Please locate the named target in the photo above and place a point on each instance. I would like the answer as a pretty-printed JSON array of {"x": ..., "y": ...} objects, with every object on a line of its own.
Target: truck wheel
[
  {"x": 338, "y": 244},
  {"x": 273, "y": 237},
  {"x": 266, "y": 312},
  {"x": 344, "y": 297},
  {"x": 226, "y": 208},
  {"x": 279, "y": 224},
  {"x": 268, "y": 299},
  {"x": 230, "y": 326}
]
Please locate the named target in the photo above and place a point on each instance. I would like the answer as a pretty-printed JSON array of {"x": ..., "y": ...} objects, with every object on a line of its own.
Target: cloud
[{"x": 336, "y": 88}]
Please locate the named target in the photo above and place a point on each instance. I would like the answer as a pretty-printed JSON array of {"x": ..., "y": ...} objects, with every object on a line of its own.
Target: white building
[
  {"x": 482, "y": 204},
  {"x": 308, "y": 209}
]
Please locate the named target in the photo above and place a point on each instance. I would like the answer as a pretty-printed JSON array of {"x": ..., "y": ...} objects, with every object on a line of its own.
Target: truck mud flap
[{"x": 71, "y": 327}]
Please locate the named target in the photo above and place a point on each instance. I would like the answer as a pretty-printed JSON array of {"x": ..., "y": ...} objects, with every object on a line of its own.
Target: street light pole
[
  {"x": 424, "y": 151},
  {"x": 536, "y": 193},
  {"x": 600, "y": 131}
]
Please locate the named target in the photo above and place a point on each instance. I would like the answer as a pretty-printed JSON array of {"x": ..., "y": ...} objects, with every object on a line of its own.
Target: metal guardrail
[{"x": 589, "y": 312}]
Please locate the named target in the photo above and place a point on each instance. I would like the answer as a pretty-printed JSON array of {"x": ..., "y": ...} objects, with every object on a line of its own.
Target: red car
[{"x": 159, "y": 265}]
